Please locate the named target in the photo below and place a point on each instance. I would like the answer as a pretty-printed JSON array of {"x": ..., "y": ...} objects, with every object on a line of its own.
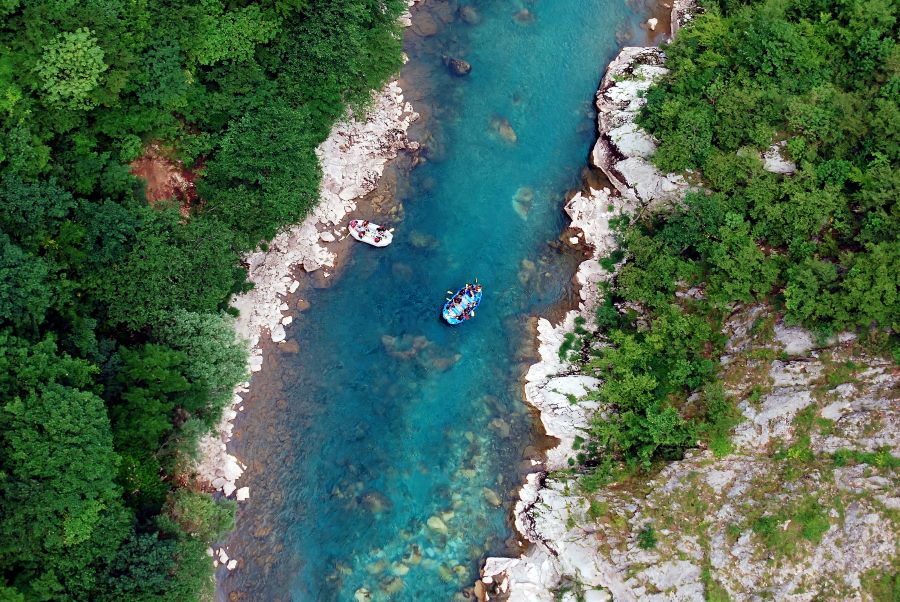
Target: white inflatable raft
[{"x": 370, "y": 233}]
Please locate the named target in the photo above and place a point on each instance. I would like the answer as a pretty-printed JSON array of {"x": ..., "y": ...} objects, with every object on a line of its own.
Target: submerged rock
[
  {"x": 458, "y": 67},
  {"x": 425, "y": 24},
  {"x": 399, "y": 569},
  {"x": 524, "y": 17},
  {"x": 392, "y": 586},
  {"x": 502, "y": 127},
  {"x": 469, "y": 15},
  {"x": 376, "y": 502},
  {"x": 421, "y": 240},
  {"x": 523, "y": 200},
  {"x": 491, "y": 496},
  {"x": 362, "y": 595},
  {"x": 436, "y": 523}
]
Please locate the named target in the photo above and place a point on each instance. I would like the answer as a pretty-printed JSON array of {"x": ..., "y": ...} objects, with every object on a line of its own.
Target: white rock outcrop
[
  {"x": 774, "y": 161},
  {"x": 623, "y": 148},
  {"x": 600, "y": 552}
]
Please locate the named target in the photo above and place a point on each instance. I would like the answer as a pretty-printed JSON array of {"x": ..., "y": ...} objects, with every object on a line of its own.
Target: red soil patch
[{"x": 166, "y": 180}]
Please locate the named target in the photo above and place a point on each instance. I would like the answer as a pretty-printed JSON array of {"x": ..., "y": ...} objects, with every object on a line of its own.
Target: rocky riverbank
[
  {"x": 707, "y": 511},
  {"x": 353, "y": 158}
]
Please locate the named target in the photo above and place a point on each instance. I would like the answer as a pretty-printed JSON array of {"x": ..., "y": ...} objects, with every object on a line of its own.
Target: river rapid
[{"x": 384, "y": 448}]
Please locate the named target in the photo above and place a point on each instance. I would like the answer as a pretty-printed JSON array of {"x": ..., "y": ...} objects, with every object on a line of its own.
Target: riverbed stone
[
  {"x": 524, "y": 17},
  {"x": 504, "y": 129},
  {"x": 468, "y": 14},
  {"x": 435, "y": 523},
  {"x": 491, "y": 496},
  {"x": 459, "y": 67}
]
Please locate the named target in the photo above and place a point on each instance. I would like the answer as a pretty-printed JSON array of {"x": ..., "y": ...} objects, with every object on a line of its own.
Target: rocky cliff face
[
  {"x": 803, "y": 507},
  {"x": 800, "y": 505}
]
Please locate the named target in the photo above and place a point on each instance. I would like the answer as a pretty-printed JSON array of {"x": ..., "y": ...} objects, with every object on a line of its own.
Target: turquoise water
[{"x": 386, "y": 452}]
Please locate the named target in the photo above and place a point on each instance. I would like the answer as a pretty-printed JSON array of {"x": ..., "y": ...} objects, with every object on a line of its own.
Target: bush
[{"x": 647, "y": 538}]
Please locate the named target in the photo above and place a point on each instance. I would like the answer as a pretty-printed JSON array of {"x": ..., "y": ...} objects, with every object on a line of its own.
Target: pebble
[
  {"x": 651, "y": 23},
  {"x": 243, "y": 493}
]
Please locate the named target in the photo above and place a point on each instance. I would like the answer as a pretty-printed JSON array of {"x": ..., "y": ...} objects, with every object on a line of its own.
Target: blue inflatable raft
[{"x": 461, "y": 306}]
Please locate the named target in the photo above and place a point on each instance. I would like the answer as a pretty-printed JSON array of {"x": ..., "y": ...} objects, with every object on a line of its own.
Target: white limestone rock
[
  {"x": 623, "y": 149},
  {"x": 774, "y": 161}
]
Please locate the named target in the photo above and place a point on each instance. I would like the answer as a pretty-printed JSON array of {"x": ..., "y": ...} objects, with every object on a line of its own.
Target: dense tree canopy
[{"x": 116, "y": 350}]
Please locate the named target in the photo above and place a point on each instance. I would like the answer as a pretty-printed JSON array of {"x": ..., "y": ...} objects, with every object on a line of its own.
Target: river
[{"x": 384, "y": 448}]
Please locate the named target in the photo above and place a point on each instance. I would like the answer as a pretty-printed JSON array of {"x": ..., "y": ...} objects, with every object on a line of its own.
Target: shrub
[{"x": 647, "y": 538}]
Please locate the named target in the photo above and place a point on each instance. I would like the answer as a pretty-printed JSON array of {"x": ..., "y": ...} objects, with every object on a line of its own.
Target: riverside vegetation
[
  {"x": 822, "y": 78},
  {"x": 116, "y": 349}
]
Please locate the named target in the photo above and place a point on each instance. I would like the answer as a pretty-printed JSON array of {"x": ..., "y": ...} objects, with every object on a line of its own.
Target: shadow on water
[{"x": 384, "y": 448}]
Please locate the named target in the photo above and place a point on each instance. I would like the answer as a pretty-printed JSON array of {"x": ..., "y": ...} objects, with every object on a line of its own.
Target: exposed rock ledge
[
  {"x": 353, "y": 158},
  {"x": 623, "y": 148}
]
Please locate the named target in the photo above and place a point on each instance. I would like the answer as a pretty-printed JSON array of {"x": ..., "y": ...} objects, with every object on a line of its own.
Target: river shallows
[{"x": 386, "y": 452}]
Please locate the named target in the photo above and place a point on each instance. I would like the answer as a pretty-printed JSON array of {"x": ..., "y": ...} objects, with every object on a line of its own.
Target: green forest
[
  {"x": 116, "y": 350},
  {"x": 821, "y": 245}
]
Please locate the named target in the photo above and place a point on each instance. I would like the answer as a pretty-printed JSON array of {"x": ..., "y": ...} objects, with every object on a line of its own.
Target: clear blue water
[{"x": 386, "y": 417}]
